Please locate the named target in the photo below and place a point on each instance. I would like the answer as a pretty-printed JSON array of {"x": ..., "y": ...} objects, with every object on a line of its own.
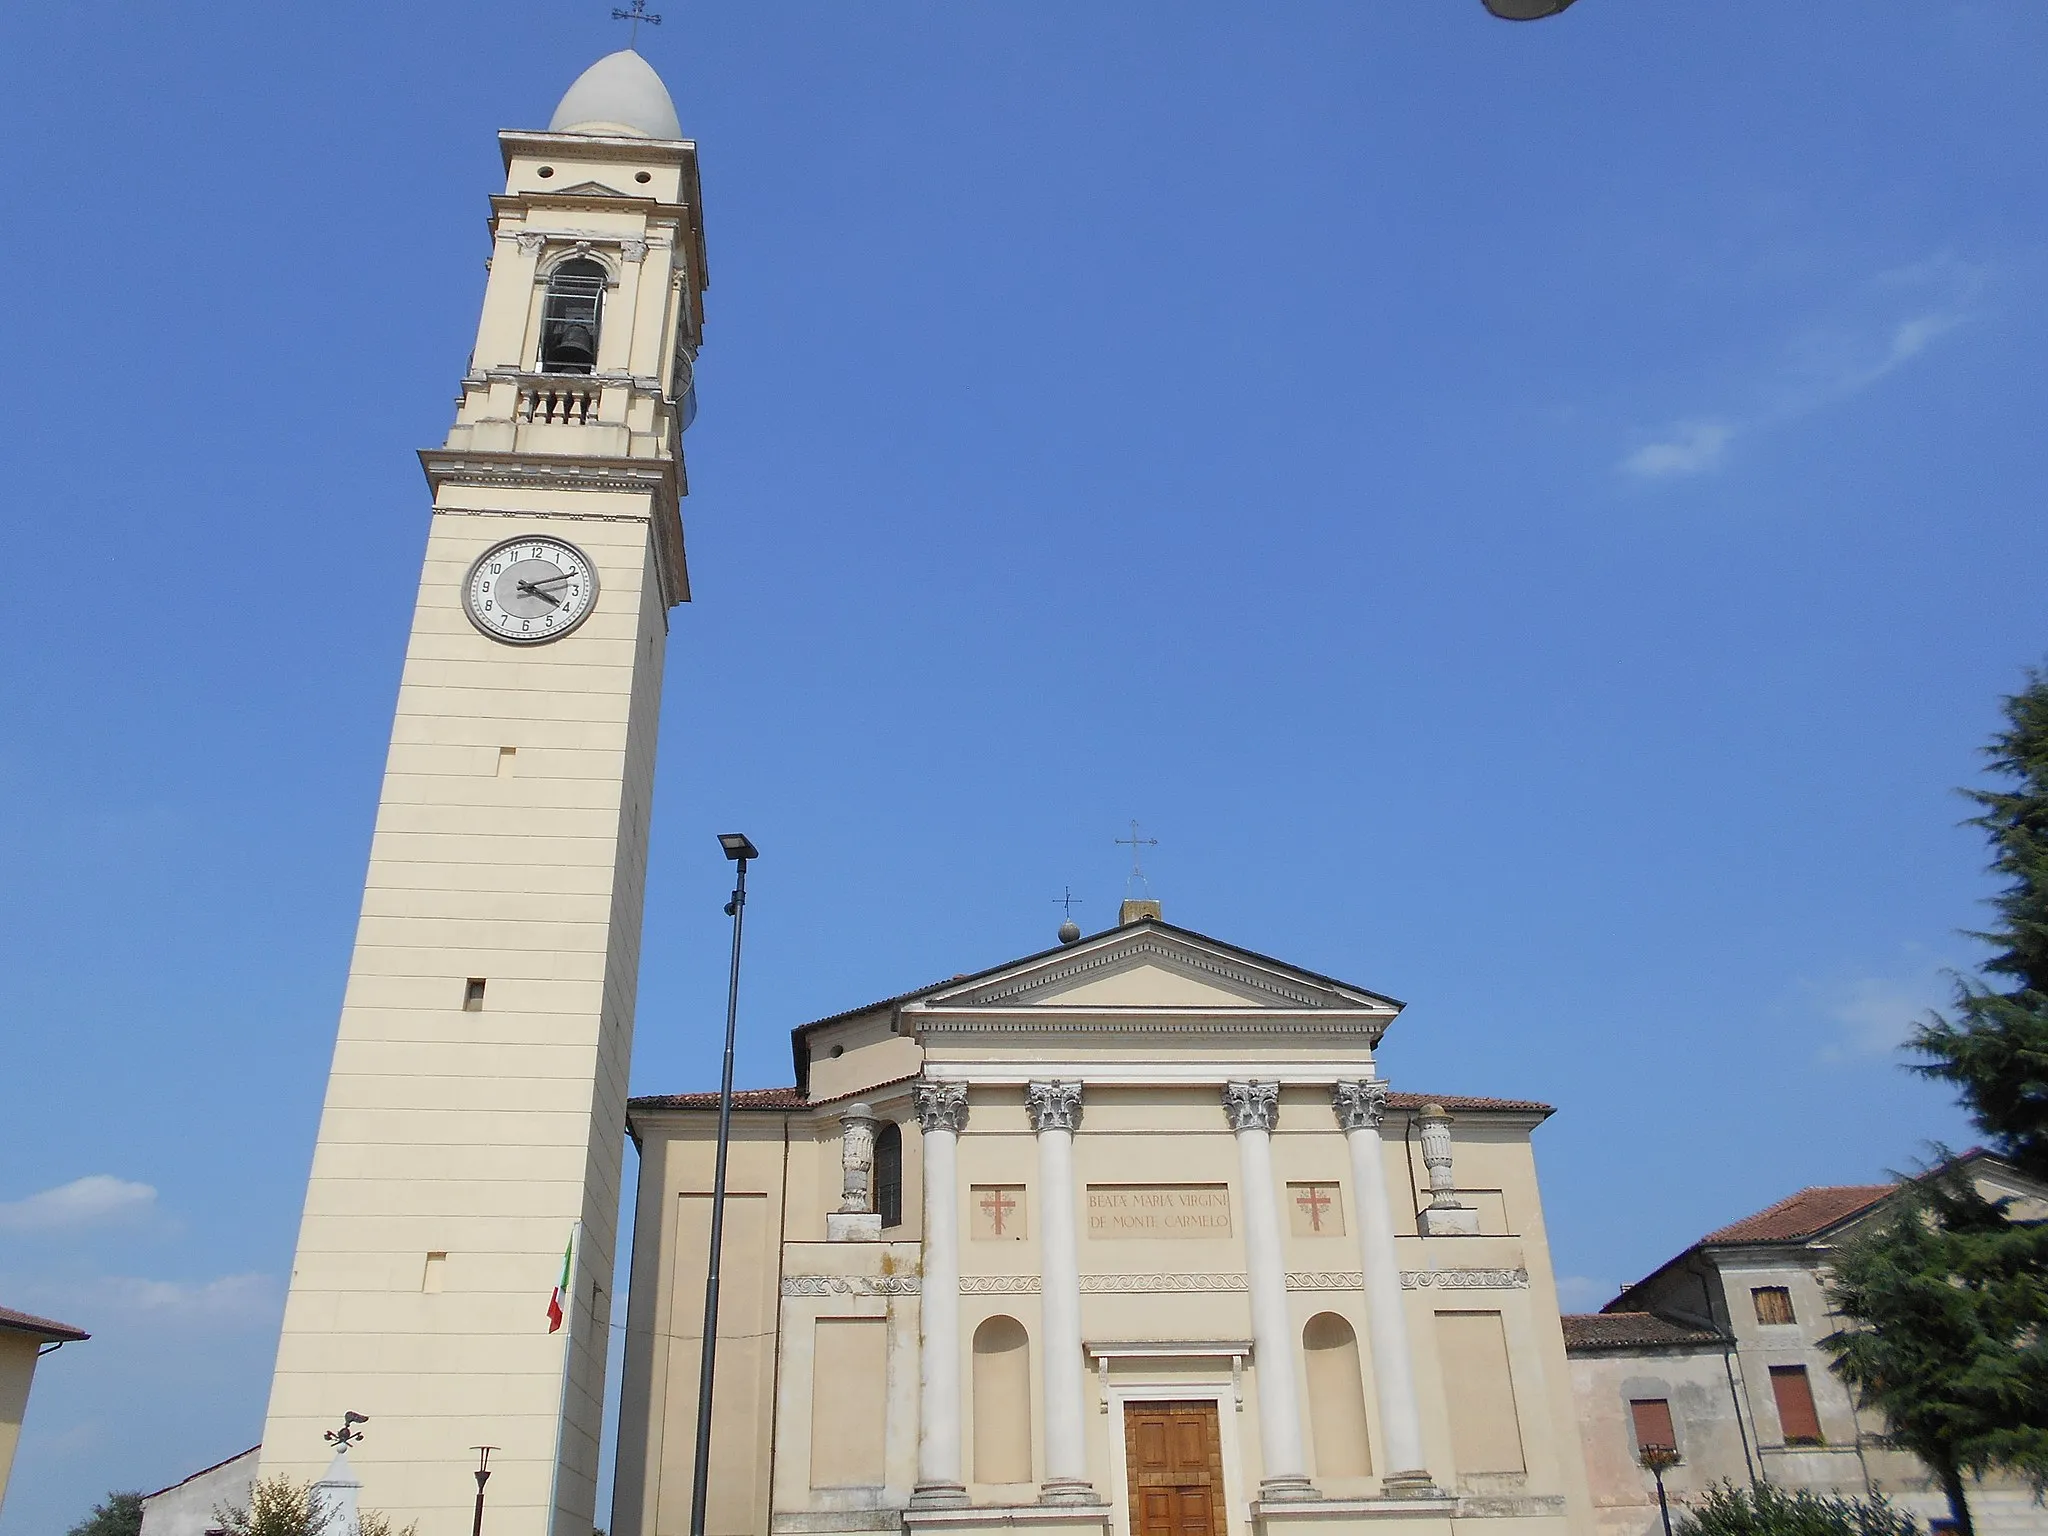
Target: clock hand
[
  {"x": 531, "y": 590},
  {"x": 552, "y": 581}
]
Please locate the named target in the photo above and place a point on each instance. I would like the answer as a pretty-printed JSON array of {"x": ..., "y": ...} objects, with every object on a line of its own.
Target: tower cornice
[{"x": 660, "y": 480}]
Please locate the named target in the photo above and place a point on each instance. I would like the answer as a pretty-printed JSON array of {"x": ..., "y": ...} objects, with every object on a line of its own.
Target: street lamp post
[
  {"x": 739, "y": 850},
  {"x": 1657, "y": 1460},
  {"x": 483, "y": 1475}
]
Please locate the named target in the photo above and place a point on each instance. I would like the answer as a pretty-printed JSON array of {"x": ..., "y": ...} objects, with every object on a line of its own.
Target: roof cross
[
  {"x": 636, "y": 15},
  {"x": 1137, "y": 845}
]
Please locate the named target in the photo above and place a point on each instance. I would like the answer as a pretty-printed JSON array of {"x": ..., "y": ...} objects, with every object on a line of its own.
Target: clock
[{"x": 529, "y": 591}]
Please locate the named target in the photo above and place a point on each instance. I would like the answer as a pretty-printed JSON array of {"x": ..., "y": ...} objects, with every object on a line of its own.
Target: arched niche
[
  {"x": 1002, "y": 1402},
  {"x": 1336, "y": 1397}
]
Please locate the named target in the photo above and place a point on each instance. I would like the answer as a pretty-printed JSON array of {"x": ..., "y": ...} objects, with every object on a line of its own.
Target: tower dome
[{"x": 619, "y": 94}]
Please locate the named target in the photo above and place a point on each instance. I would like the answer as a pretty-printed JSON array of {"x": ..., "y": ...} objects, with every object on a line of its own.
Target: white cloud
[
  {"x": 1580, "y": 1293},
  {"x": 229, "y": 1298},
  {"x": 1876, "y": 329},
  {"x": 1872, "y": 1015},
  {"x": 96, "y": 1199},
  {"x": 1692, "y": 448}
]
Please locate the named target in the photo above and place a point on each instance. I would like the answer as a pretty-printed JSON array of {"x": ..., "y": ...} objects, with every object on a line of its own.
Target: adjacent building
[
  {"x": 24, "y": 1339},
  {"x": 1717, "y": 1353}
]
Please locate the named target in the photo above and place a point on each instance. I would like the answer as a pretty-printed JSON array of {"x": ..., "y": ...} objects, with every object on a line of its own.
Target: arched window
[
  {"x": 1002, "y": 1402},
  {"x": 1336, "y": 1397},
  {"x": 569, "y": 318},
  {"x": 889, "y": 1174}
]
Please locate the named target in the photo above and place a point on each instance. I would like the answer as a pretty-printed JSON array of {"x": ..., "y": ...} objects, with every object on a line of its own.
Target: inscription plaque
[{"x": 1159, "y": 1210}]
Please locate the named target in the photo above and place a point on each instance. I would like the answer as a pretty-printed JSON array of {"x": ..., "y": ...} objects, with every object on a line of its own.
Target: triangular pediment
[
  {"x": 1151, "y": 965},
  {"x": 593, "y": 189}
]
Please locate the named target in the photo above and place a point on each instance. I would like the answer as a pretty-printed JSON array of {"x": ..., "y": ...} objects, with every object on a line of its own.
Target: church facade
[{"x": 1121, "y": 1239}]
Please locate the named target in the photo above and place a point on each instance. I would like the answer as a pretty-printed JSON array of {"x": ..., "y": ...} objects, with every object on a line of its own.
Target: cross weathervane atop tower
[
  {"x": 636, "y": 15},
  {"x": 1137, "y": 845}
]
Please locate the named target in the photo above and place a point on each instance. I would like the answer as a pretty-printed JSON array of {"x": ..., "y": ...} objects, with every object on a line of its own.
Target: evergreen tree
[
  {"x": 1946, "y": 1301},
  {"x": 118, "y": 1514},
  {"x": 1994, "y": 1044}
]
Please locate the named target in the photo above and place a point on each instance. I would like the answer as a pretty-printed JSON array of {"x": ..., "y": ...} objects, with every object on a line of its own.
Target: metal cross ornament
[
  {"x": 1069, "y": 901},
  {"x": 1137, "y": 844},
  {"x": 636, "y": 15}
]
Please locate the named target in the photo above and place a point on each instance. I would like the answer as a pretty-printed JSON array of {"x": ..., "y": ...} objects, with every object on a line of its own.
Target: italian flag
[{"x": 560, "y": 1300}]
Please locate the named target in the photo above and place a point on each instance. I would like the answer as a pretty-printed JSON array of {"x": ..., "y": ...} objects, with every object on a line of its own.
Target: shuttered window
[
  {"x": 1652, "y": 1417},
  {"x": 1796, "y": 1415},
  {"x": 1773, "y": 1304}
]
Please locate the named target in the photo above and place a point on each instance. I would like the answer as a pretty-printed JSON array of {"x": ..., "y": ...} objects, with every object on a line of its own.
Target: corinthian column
[
  {"x": 942, "y": 1111},
  {"x": 1359, "y": 1107},
  {"x": 1055, "y": 1110},
  {"x": 1254, "y": 1109}
]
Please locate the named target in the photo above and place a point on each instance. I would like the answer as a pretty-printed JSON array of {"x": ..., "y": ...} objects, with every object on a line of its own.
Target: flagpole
[
  {"x": 739, "y": 850},
  {"x": 568, "y": 1355}
]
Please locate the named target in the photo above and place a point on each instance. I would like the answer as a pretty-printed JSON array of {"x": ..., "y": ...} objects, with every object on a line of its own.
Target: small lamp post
[
  {"x": 484, "y": 1475},
  {"x": 739, "y": 849},
  {"x": 1657, "y": 1460}
]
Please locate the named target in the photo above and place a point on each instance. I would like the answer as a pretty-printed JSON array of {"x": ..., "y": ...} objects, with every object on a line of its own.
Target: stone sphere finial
[{"x": 1070, "y": 932}]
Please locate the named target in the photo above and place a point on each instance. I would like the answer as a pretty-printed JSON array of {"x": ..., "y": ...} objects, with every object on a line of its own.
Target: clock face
[{"x": 529, "y": 591}]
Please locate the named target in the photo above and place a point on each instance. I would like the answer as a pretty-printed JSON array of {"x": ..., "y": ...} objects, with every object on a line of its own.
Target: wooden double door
[{"x": 1175, "y": 1455}]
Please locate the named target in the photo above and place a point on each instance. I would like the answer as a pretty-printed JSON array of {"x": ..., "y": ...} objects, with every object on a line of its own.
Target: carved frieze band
[
  {"x": 851, "y": 1285},
  {"x": 1028, "y": 1285},
  {"x": 1465, "y": 1279},
  {"x": 999, "y": 1285}
]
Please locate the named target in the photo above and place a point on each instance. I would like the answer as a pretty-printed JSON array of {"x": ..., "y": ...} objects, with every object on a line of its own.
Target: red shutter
[
  {"x": 1652, "y": 1417},
  {"x": 1796, "y": 1416}
]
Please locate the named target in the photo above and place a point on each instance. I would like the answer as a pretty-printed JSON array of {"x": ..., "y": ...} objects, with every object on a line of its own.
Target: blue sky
[{"x": 1537, "y": 520}]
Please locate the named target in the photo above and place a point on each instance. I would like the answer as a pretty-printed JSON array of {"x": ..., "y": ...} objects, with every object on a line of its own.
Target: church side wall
[{"x": 658, "y": 1424}]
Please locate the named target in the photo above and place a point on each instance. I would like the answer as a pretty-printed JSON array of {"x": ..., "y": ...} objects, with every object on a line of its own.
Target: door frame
[{"x": 1236, "y": 1503}]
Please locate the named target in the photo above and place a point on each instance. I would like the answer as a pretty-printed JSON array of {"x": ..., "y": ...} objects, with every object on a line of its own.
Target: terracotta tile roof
[
  {"x": 1631, "y": 1330},
  {"x": 28, "y": 1322},
  {"x": 795, "y": 1098},
  {"x": 1800, "y": 1216},
  {"x": 742, "y": 1098}
]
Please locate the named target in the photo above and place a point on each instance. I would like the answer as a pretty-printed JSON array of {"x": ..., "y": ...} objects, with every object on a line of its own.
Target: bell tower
[{"x": 470, "y": 1144}]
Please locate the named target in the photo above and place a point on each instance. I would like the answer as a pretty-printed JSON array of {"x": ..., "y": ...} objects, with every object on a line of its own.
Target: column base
[
  {"x": 1068, "y": 1490},
  {"x": 1290, "y": 1489},
  {"x": 1412, "y": 1484},
  {"x": 939, "y": 1496},
  {"x": 853, "y": 1227}
]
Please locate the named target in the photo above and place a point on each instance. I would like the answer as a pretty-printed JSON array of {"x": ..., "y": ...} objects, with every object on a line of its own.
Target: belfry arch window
[
  {"x": 889, "y": 1174},
  {"x": 570, "y": 317}
]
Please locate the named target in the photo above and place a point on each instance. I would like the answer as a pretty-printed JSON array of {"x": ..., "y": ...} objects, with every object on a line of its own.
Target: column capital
[
  {"x": 1252, "y": 1106},
  {"x": 1359, "y": 1105},
  {"x": 1053, "y": 1106},
  {"x": 940, "y": 1106}
]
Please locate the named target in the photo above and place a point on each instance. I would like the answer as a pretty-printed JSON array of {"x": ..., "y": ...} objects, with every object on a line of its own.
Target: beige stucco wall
[{"x": 17, "y": 1372}]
